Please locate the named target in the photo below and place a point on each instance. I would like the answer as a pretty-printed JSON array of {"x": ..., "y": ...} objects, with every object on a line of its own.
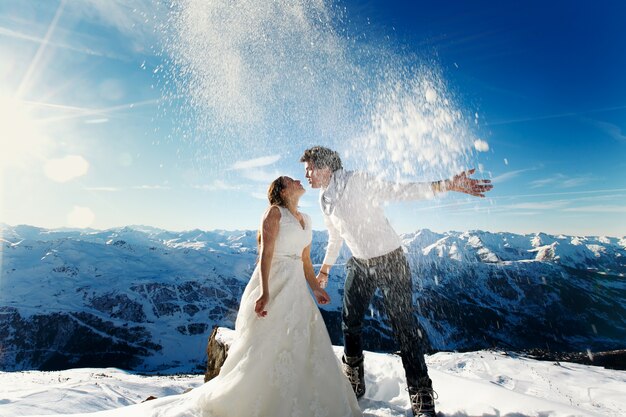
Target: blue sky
[{"x": 94, "y": 132}]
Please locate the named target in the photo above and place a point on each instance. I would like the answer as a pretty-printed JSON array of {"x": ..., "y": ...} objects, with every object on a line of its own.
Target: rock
[
  {"x": 150, "y": 398},
  {"x": 217, "y": 351},
  {"x": 614, "y": 359}
]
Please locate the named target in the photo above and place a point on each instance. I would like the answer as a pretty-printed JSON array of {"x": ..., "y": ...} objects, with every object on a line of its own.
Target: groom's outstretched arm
[
  {"x": 379, "y": 189},
  {"x": 391, "y": 191}
]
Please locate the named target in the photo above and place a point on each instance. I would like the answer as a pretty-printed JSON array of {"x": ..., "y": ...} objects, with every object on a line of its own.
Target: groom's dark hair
[{"x": 322, "y": 157}]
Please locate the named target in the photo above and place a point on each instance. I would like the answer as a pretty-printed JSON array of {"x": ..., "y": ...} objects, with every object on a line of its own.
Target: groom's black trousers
[{"x": 392, "y": 275}]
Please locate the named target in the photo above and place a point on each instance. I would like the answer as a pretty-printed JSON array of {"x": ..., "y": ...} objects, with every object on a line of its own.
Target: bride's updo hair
[{"x": 273, "y": 192}]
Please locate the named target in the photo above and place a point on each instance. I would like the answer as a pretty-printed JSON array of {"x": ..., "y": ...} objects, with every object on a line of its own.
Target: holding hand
[
  {"x": 259, "y": 305},
  {"x": 464, "y": 184},
  {"x": 321, "y": 296},
  {"x": 322, "y": 279}
]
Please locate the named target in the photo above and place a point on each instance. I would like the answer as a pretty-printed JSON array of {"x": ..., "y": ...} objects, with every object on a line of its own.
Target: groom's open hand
[
  {"x": 321, "y": 296},
  {"x": 464, "y": 184}
]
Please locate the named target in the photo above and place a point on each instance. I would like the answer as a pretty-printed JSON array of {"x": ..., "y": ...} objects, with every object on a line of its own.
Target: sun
[{"x": 22, "y": 143}]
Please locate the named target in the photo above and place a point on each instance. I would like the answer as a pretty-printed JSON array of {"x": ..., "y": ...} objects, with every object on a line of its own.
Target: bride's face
[{"x": 292, "y": 188}]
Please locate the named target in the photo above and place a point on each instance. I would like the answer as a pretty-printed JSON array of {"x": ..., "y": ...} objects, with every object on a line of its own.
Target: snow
[
  {"x": 482, "y": 383},
  {"x": 481, "y": 146},
  {"x": 53, "y": 270},
  {"x": 83, "y": 390}
]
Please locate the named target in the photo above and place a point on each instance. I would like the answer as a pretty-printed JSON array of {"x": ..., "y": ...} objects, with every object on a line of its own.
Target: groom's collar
[
  {"x": 333, "y": 192},
  {"x": 337, "y": 179}
]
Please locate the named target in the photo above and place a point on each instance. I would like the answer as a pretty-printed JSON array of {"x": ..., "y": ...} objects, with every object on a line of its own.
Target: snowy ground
[{"x": 485, "y": 384}]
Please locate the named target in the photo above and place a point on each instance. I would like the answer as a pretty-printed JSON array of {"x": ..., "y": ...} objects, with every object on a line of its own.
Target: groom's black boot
[
  {"x": 353, "y": 369},
  {"x": 422, "y": 398}
]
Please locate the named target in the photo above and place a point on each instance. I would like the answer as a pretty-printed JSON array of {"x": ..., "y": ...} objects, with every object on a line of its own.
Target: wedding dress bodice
[{"x": 292, "y": 237}]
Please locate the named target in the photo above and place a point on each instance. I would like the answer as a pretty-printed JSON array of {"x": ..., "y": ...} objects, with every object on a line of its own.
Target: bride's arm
[
  {"x": 320, "y": 295},
  {"x": 269, "y": 231}
]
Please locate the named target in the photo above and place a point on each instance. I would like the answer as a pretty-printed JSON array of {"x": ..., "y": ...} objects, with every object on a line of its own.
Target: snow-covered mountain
[{"x": 146, "y": 299}]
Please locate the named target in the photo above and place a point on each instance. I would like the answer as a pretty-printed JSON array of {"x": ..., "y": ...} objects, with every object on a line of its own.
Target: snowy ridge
[
  {"x": 143, "y": 298},
  {"x": 485, "y": 383}
]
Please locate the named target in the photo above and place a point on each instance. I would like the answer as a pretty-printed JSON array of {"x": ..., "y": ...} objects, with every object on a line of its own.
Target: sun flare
[{"x": 21, "y": 141}]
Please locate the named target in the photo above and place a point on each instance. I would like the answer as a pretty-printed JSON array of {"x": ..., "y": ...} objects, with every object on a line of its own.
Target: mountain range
[{"x": 146, "y": 299}]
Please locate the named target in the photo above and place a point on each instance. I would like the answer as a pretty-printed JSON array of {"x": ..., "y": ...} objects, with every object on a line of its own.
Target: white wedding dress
[{"x": 282, "y": 365}]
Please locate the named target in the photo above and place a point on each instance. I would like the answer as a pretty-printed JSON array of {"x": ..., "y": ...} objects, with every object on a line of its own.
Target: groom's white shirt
[{"x": 352, "y": 205}]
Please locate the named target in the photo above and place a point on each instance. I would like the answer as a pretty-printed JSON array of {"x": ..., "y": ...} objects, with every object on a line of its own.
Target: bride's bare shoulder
[{"x": 272, "y": 213}]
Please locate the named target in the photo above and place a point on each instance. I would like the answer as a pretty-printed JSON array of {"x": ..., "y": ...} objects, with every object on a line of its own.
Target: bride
[{"x": 281, "y": 363}]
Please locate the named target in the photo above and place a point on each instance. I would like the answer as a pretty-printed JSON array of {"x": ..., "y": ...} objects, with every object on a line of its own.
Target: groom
[{"x": 351, "y": 203}]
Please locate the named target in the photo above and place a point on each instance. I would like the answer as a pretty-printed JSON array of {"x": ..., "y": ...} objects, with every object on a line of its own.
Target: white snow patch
[
  {"x": 482, "y": 383},
  {"x": 481, "y": 146}
]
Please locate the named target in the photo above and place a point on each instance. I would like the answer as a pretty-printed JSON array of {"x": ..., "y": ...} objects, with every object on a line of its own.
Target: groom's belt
[{"x": 387, "y": 258}]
